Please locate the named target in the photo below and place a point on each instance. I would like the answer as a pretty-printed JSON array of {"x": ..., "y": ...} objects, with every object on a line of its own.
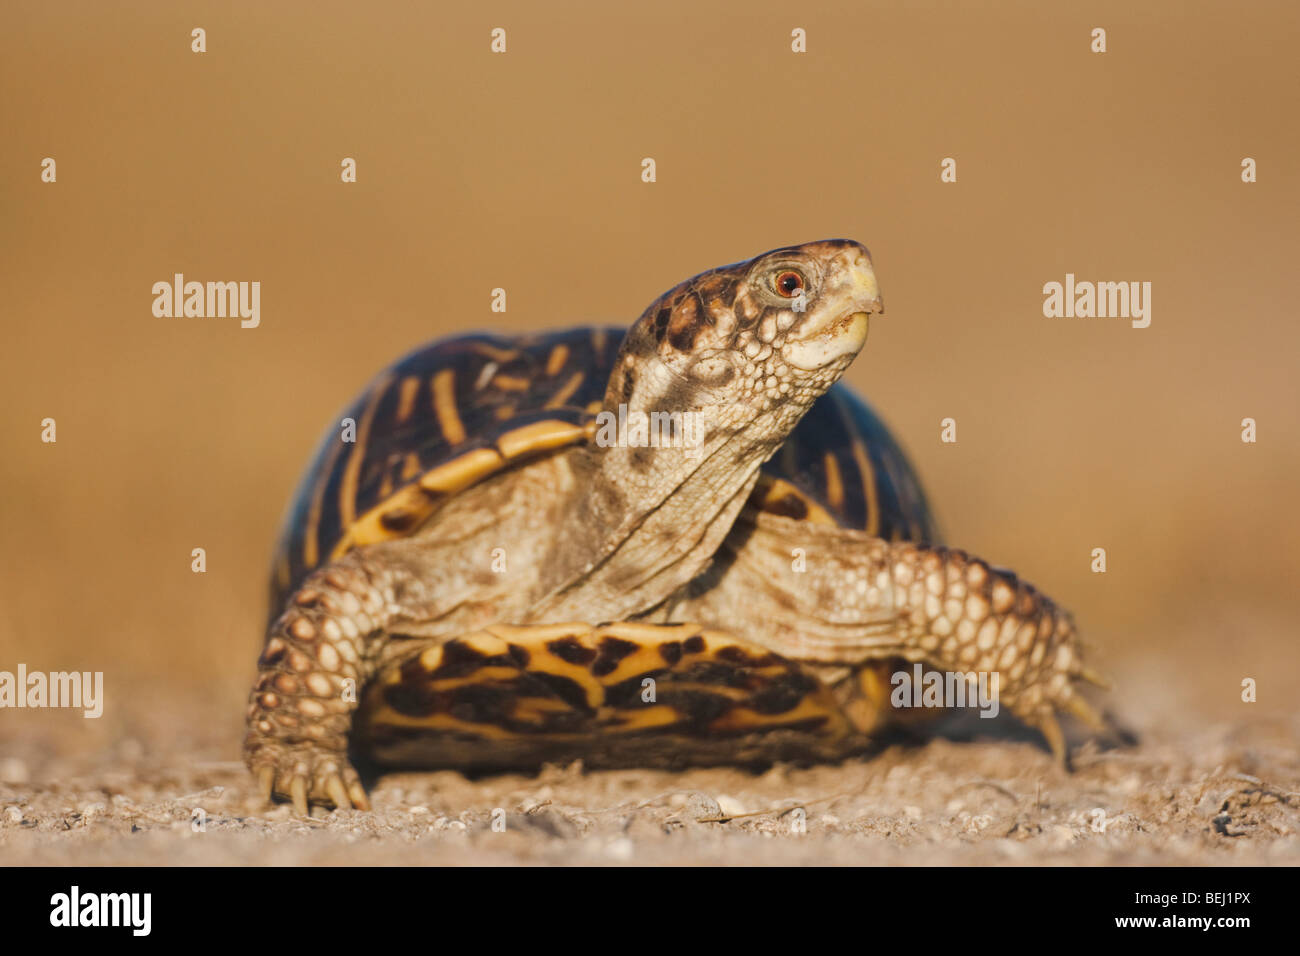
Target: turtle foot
[
  {"x": 316, "y": 660},
  {"x": 306, "y": 774}
]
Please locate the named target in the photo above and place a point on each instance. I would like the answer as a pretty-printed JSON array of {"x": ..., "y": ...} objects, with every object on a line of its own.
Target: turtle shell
[
  {"x": 459, "y": 409},
  {"x": 842, "y": 466}
]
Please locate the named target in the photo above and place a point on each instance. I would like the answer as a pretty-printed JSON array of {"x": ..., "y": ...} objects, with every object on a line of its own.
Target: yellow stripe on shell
[
  {"x": 834, "y": 483},
  {"x": 566, "y": 391},
  {"x": 494, "y": 353},
  {"x": 481, "y": 676},
  {"x": 419, "y": 500},
  {"x": 863, "y": 461},
  {"x": 868, "y": 486},
  {"x": 643, "y": 718},
  {"x": 370, "y": 528},
  {"x": 539, "y": 436},
  {"x": 511, "y": 383},
  {"x": 444, "y": 406},
  {"x": 651, "y": 633},
  {"x": 311, "y": 533},
  {"x": 769, "y": 491},
  {"x": 556, "y": 360},
  {"x": 812, "y": 706},
  {"x": 462, "y": 471},
  {"x": 352, "y": 471},
  {"x": 406, "y": 397}
]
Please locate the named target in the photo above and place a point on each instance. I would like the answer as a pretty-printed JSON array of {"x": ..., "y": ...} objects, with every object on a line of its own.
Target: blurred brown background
[{"x": 523, "y": 171}]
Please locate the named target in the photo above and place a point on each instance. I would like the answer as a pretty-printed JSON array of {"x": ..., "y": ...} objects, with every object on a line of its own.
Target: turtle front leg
[
  {"x": 958, "y": 613},
  {"x": 318, "y": 655},
  {"x": 837, "y": 595}
]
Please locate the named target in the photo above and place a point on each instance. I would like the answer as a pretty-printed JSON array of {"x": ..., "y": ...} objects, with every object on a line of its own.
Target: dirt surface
[{"x": 1229, "y": 794}]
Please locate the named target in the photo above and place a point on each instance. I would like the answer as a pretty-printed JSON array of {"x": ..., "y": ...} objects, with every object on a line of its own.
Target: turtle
[{"x": 685, "y": 542}]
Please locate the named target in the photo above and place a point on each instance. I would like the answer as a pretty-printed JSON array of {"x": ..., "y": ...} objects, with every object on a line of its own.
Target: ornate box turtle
[{"x": 764, "y": 549}]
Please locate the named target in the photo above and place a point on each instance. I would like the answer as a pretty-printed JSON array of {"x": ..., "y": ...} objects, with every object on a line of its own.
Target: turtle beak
[
  {"x": 839, "y": 326},
  {"x": 830, "y": 338},
  {"x": 862, "y": 283}
]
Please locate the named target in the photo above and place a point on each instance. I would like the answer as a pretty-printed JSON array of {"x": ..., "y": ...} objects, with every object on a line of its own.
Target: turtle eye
[{"x": 788, "y": 283}]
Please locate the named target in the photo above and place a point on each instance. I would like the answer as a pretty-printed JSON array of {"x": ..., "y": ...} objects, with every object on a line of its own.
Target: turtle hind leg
[
  {"x": 620, "y": 694},
  {"x": 317, "y": 654}
]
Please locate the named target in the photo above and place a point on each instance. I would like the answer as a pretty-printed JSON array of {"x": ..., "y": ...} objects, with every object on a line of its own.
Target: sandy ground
[{"x": 1226, "y": 794}]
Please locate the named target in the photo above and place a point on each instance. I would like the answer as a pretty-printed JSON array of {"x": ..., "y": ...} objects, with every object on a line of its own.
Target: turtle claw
[
  {"x": 358, "y": 794},
  {"x": 1067, "y": 700},
  {"x": 298, "y": 792},
  {"x": 265, "y": 782},
  {"x": 1096, "y": 679},
  {"x": 307, "y": 775},
  {"x": 1084, "y": 712},
  {"x": 335, "y": 790},
  {"x": 1050, "y": 728}
]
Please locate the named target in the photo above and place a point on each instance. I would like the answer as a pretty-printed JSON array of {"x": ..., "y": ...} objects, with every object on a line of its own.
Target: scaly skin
[
  {"x": 859, "y": 598},
  {"x": 957, "y": 613},
  {"x": 299, "y": 712}
]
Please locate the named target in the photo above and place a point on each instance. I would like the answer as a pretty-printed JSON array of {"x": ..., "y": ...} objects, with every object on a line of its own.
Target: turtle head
[
  {"x": 773, "y": 332},
  {"x": 707, "y": 385}
]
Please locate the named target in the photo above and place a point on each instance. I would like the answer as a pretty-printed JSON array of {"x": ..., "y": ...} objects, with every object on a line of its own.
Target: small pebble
[
  {"x": 730, "y": 806},
  {"x": 701, "y": 806}
]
